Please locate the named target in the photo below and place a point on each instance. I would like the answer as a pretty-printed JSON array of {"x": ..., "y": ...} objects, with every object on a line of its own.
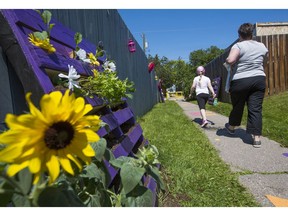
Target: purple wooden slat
[
  {"x": 94, "y": 101},
  {"x": 111, "y": 170},
  {"x": 102, "y": 132},
  {"x": 135, "y": 134},
  {"x": 127, "y": 144},
  {"x": 117, "y": 132},
  {"x": 43, "y": 78},
  {"x": 110, "y": 120},
  {"x": 123, "y": 115},
  {"x": 29, "y": 18},
  {"x": 152, "y": 185},
  {"x": 32, "y": 19},
  {"x": 59, "y": 62},
  {"x": 119, "y": 151}
]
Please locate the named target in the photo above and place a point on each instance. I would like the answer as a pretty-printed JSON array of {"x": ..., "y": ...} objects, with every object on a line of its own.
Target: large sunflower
[{"x": 50, "y": 138}]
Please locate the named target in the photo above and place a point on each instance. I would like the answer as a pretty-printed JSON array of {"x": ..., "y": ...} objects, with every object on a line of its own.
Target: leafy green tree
[{"x": 204, "y": 56}]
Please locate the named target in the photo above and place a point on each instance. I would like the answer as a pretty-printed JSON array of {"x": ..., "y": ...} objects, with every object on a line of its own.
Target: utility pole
[{"x": 144, "y": 42}]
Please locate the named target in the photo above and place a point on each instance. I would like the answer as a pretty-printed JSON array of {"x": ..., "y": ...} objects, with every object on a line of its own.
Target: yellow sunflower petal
[
  {"x": 10, "y": 153},
  {"x": 8, "y": 137},
  {"x": 19, "y": 122},
  {"x": 75, "y": 160},
  {"x": 49, "y": 104},
  {"x": 66, "y": 107},
  {"x": 76, "y": 149},
  {"x": 53, "y": 166},
  {"x": 35, "y": 165},
  {"x": 91, "y": 135},
  {"x": 36, "y": 178},
  {"x": 88, "y": 151},
  {"x": 91, "y": 121},
  {"x": 65, "y": 163},
  {"x": 34, "y": 111},
  {"x": 15, "y": 168}
]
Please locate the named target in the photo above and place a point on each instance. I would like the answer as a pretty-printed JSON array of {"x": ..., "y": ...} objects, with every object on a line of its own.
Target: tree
[{"x": 203, "y": 57}]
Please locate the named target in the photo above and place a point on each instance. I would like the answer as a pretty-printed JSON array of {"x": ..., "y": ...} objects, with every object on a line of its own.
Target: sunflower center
[{"x": 59, "y": 135}]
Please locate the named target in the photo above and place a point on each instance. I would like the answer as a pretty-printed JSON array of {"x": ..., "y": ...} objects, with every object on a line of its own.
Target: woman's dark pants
[{"x": 251, "y": 91}]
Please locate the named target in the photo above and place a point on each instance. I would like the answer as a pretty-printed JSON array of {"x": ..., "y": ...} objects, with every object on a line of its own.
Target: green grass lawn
[
  {"x": 194, "y": 174},
  {"x": 275, "y": 116}
]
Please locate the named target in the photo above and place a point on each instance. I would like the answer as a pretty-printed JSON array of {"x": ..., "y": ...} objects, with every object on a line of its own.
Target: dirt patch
[{"x": 168, "y": 198}]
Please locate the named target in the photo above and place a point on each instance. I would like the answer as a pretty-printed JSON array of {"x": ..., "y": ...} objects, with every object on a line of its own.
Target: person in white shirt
[
  {"x": 202, "y": 85},
  {"x": 248, "y": 82}
]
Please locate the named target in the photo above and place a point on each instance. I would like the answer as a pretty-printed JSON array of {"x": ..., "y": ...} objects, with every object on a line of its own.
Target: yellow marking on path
[
  {"x": 277, "y": 201},
  {"x": 208, "y": 113}
]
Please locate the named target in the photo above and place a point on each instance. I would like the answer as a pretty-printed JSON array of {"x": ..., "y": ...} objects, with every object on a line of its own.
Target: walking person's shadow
[
  {"x": 239, "y": 132},
  {"x": 199, "y": 121}
]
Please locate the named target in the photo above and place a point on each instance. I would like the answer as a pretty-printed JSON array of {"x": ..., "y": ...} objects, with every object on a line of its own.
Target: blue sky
[{"x": 175, "y": 33}]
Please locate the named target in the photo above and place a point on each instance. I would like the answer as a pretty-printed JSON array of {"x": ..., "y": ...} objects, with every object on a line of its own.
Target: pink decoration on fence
[{"x": 131, "y": 46}]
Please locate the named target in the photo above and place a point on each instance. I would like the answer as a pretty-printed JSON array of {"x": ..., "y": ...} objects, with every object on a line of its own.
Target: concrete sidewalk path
[{"x": 267, "y": 166}]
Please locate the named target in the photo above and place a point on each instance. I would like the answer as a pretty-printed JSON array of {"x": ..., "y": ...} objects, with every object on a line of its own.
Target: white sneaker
[{"x": 204, "y": 124}]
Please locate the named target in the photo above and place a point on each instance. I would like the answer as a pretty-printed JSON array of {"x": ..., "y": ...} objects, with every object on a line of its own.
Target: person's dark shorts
[{"x": 202, "y": 100}]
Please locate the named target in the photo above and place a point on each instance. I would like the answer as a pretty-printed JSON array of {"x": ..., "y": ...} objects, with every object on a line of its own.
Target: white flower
[
  {"x": 110, "y": 66},
  {"x": 72, "y": 76},
  {"x": 81, "y": 53}
]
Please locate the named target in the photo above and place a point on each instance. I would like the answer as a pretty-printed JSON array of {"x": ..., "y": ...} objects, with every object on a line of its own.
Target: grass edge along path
[{"x": 194, "y": 173}]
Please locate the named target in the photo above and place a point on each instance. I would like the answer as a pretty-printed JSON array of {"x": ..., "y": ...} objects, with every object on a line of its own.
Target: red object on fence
[{"x": 151, "y": 66}]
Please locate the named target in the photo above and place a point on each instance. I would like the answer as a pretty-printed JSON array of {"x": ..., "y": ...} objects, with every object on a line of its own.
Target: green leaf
[
  {"x": 129, "y": 96},
  {"x": 41, "y": 35},
  {"x": 20, "y": 201},
  {"x": 99, "y": 147},
  {"x": 108, "y": 155},
  {"x": 120, "y": 161},
  {"x": 58, "y": 197},
  {"x": 77, "y": 38},
  {"x": 38, "y": 11},
  {"x": 154, "y": 172},
  {"x": 139, "y": 197},
  {"x": 25, "y": 180},
  {"x": 130, "y": 176},
  {"x": 51, "y": 25},
  {"x": 46, "y": 16},
  {"x": 6, "y": 193},
  {"x": 90, "y": 171},
  {"x": 94, "y": 201}
]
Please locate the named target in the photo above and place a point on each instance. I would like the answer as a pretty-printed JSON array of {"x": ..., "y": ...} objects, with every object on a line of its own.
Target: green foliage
[
  {"x": 107, "y": 86},
  {"x": 46, "y": 17},
  {"x": 41, "y": 35},
  {"x": 89, "y": 188},
  {"x": 77, "y": 39},
  {"x": 204, "y": 56}
]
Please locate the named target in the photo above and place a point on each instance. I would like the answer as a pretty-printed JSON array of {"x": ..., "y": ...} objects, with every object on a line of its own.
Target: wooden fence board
[{"x": 281, "y": 63}]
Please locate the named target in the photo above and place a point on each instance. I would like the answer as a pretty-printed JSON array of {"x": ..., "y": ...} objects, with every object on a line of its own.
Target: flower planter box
[{"x": 124, "y": 135}]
